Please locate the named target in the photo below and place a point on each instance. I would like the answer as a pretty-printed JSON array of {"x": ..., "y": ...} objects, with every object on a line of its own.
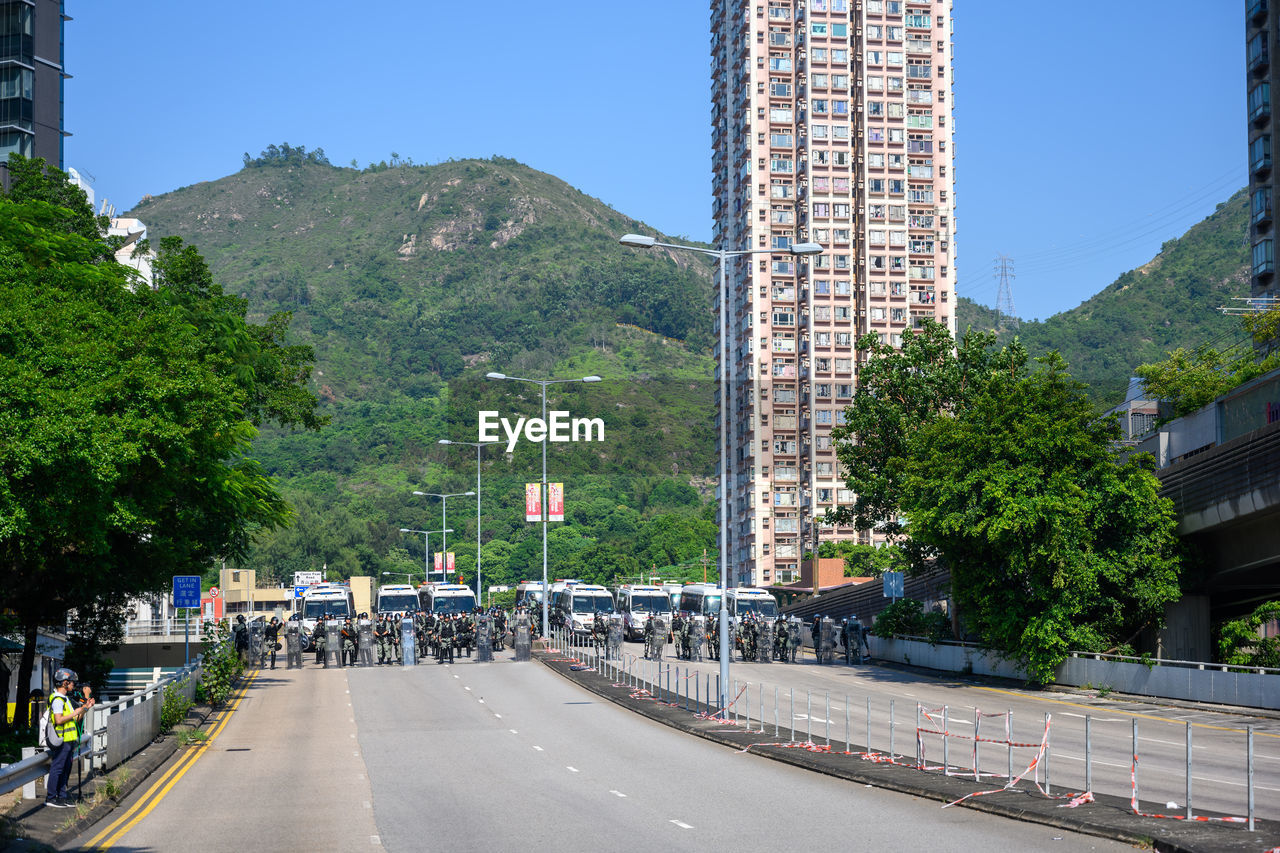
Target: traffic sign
[
  {"x": 893, "y": 584},
  {"x": 186, "y": 590},
  {"x": 213, "y": 592},
  {"x": 298, "y": 591}
]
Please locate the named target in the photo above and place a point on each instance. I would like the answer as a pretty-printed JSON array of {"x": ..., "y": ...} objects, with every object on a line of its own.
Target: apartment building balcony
[{"x": 1257, "y": 12}]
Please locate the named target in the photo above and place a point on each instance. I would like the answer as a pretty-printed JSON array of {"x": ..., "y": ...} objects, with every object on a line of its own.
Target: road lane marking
[
  {"x": 481, "y": 701},
  {"x": 148, "y": 801},
  {"x": 499, "y": 716},
  {"x": 373, "y": 839},
  {"x": 1091, "y": 707},
  {"x": 682, "y": 824},
  {"x": 466, "y": 688},
  {"x": 571, "y": 769},
  {"x": 540, "y": 749},
  {"x": 513, "y": 731},
  {"x": 618, "y": 794}
]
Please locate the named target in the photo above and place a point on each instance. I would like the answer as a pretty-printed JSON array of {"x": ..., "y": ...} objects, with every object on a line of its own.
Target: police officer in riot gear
[{"x": 270, "y": 642}]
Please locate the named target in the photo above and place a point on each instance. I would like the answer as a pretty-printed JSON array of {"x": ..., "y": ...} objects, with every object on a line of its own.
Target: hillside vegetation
[
  {"x": 411, "y": 282},
  {"x": 1170, "y": 302}
]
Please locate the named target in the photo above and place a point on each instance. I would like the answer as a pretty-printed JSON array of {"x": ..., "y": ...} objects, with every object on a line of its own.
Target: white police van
[
  {"x": 701, "y": 599},
  {"x": 446, "y": 598},
  {"x": 332, "y": 600},
  {"x": 577, "y": 605},
  {"x": 397, "y": 598},
  {"x": 636, "y": 603},
  {"x": 745, "y": 600}
]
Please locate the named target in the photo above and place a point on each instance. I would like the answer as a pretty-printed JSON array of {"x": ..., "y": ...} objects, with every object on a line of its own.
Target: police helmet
[{"x": 64, "y": 675}]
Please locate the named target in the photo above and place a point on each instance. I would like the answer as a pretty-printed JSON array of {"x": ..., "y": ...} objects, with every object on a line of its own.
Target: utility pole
[{"x": 1004, "y": 292}]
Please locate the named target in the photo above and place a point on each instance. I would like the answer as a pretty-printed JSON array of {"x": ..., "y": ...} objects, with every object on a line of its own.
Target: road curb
[
  {"x": 1109, "y": 817},
  {"x": 37, "y": 825}
]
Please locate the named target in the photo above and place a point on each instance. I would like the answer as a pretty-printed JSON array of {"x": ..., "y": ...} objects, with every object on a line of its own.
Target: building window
[
  {"x": 1264, "y": 261},
  {"x": 1260, "y": 153}
]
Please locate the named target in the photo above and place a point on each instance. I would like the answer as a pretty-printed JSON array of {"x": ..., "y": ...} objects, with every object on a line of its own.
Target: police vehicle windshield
[
  {"x": 592, "y": 604},
  {"x": 403, "y": 602},
  {"x": 332, "y": 606},
  {"x": 655, "y": 603},
  {"x": 765, "y": 607},
  {"x": 453, "y": 604}
]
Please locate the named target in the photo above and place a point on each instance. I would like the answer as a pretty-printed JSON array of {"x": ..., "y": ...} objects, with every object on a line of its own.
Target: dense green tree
[
  {"x": 1190, "y": 380},
  {"x": 1053, "y": 542},
  {"x": 129, "y": 413}
]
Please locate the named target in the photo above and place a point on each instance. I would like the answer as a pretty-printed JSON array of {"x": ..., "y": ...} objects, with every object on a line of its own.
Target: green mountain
[
  {"x": 411, "y": 282},
  {"x": 1171, "y": 301}
]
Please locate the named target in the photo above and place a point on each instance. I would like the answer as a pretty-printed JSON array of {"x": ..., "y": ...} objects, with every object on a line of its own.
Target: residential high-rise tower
[
  {"x": 831, "y": 124},
  {"x": 1262, "y": 85}
]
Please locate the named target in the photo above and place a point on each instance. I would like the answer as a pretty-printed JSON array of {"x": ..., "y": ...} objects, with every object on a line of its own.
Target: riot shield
[
  {"x": 826, "y": 640},
  {"x": 364, "y": 643},
  {"x": 697, "y": 636},
  {"x": 333, "y": 643},
  {"x": 293, "y": 645},
  {"x": 255, "y": 641},
  {"x": 613, "y": 650},
  {"x": 408, "y": 657},
  {"x": 764, "y": 642},
  {"x": 523, "y": 641},
  {"x": 484, "y": 639},
  {"x": 793, "y": 645},
  {"x": 658, "y": 642}
]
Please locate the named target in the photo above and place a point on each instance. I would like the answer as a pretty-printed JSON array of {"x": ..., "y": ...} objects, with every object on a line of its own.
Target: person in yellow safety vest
[{"x": 65, "y": 717}]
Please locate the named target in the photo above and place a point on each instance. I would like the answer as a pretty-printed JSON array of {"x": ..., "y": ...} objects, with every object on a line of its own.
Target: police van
[
  {"x": 673, "y": 592},
  {"x": 326, "y": 599},
  {"x": 636, "y": 603},
  {"x": 397, "y": 598},
  {"x": 446, "y": 598},
  {"x": 701, "y": 599},
  {"x": 745, "y": 600},
  {"x": 529, "y": 594},
  {"x": 577, "y": 605}
]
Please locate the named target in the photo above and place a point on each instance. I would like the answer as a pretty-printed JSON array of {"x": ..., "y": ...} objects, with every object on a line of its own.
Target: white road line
[
  {"x": 1169, "y": 742},
  {"x": 571, "y": 769},
  {"x": 1256, "y": 786},
  {"x": 455, "y": 676},
  {"x": 538, "y": 748},
  {"x": 618, "y": 794},
  {"x": 499, "y": 716},
  {"x": 1081, "y": 758},
  {"x": 373, "y": 839},
  {"x": 513, "y": 731},
  {"x": 1095, "y": 719},
  {"x": 481, "y": 701},
  {"x": 681, "y": 824},
  {"x": 464, "y": 688}
]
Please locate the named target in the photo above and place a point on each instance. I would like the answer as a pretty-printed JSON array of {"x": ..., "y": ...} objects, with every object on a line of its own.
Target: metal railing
[
  {"x": 978, "y": 744},
  {"x": 170, "y": 626},
  {"x": 1182, "y": 664}
]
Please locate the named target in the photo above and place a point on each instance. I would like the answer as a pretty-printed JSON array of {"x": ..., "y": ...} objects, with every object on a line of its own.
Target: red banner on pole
[
  {"x": 555, "y": 501},
  {"x": 449, "y": 556},
  {"x": 533, "y": 502}
]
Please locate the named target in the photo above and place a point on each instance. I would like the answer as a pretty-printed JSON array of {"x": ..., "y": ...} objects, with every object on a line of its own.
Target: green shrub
[
  {"x": 175, "y": 706},
  {"x": 221, "y": 665},
  {"x": 906, "y": 617},
  {"x": 1240, "y": 644}
]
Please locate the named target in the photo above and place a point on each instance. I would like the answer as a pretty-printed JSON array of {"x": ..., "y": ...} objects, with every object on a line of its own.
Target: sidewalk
[
  {"x": 32, "y": 826},
  {"x": 1108, "y": 817}
]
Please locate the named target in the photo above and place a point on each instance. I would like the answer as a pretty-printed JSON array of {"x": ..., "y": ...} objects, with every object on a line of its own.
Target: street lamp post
[
  {"x": 477, "y": 445},
  {"x": 426, "y": 547},
  {"x": 444, "y": 522},
  {"x": 722, "y": 256},
  {"x": 543, "y": 383}
]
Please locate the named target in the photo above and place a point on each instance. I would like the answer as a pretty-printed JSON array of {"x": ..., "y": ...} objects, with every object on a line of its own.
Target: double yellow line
[{"x": 148, "y": 801}]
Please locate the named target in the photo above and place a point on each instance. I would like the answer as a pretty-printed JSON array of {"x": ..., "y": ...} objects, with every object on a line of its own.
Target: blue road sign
[
  {"x": 298, "y": 591},
  {"x": 186, "y": 590},
  {"x": 893, "y": 584}
]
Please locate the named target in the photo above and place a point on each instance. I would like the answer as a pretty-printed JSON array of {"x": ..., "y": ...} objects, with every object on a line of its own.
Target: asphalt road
[
  {"x": 511, "y": 756},
  {"x": 1218, "y": 736},
  {"x": 505, "y": 756},
  {"x": 285, "y": 774}
]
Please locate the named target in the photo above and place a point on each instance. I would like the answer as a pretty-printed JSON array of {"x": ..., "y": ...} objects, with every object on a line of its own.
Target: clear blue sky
[{"x": 1086, "y": 133}]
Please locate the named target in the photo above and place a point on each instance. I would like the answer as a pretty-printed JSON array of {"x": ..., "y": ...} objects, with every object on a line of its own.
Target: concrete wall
[{"x": 1190, "y": 683}]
